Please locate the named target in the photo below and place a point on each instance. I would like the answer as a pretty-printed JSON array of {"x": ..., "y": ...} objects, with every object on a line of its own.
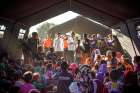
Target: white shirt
[
  {"x": 96, "y": 53},
  {"x": 58, "y": 44},
  {"x": 71, "y": 44}
]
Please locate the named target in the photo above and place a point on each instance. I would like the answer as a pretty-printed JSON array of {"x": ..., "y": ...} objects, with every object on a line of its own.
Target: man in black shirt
[
  {"x": 64, "y": 79},
  {"x": 86, "y": 43}
]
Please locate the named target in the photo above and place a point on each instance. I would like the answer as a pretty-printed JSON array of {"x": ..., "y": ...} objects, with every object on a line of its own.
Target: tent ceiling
[{"x": 31, "y": 12}]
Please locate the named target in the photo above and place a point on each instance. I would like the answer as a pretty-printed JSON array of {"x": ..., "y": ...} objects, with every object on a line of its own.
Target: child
[
  {"x": 37, "y": 82},
  {"x": 28, "y": 85}
]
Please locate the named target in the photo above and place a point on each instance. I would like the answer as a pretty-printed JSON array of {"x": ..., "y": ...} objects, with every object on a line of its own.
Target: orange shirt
[
  {"x": 65, "y": 43},
  {"x": 48, "y": 43}
]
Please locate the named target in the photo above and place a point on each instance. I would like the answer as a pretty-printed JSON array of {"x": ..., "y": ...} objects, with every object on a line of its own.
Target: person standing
[
  {"x": 65, "y": 47},
  {"x": 78, "y": 52},
  {"x": 59, "y": 45},
  {"x": 33, "y": 43},
  {"x": 110, "y": 41},
  {"x": 40, "y": 55},
  {"x": 86, "y": 45},
  {"x": 64, "y": 79},
  {"x": 48, "y": 43},
  {"x": 71, "y": 47}
]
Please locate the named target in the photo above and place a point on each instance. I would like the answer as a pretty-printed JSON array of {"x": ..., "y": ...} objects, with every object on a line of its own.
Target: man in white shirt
[
  {"x": 71, "y": 47},
  {"x": 58, "y": 45},
  {"x": 71, "y": 44}
]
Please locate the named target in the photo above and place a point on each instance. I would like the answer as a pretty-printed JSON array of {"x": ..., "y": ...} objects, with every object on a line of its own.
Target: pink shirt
[{"x": 26, "y": 88}]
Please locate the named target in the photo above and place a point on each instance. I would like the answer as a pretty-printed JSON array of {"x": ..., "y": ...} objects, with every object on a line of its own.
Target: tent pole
[{"x": 128, "y": 30}]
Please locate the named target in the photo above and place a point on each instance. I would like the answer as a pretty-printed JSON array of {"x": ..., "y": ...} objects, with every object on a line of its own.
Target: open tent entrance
[
  {"x": 71, "y": 21},
  {"x": 61, "y": 19},
  {"x": 45, "y": 26}
]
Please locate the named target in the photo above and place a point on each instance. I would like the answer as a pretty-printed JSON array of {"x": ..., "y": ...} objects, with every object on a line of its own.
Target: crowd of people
[
  {"x": 73, "y": 48},
  {"x": 67, "y": 64}
]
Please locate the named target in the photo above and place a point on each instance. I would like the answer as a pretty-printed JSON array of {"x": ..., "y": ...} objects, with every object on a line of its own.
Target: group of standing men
[
  {"x": 64, "y": 46},
  {"x": 71, "y": 48}
]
